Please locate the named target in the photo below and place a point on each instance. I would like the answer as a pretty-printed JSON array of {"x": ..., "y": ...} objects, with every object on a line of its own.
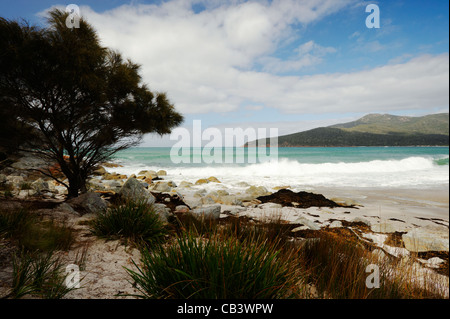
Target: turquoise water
[{"x": 314, "y": 166}]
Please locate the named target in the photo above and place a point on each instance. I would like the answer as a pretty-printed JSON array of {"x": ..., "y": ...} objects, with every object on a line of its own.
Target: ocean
[{"x": 301, "y": 168}]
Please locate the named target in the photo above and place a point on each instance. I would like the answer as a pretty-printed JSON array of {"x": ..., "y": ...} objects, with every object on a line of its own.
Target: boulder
[
  {"x": 134, "y": 190},
  {"x": 335, "y": 224},
  {"x": 161, "y": 173},
  {"x": 388, "y": 227},
  {"x": 308, "y": 223},
  {"x": 208, "y": 212},
  {"x": 100, "y": 171},
  {"x": 88, "y": 203},
  {"x": 193, "y": 202},
  {"x": 165, "y": 186},
  {"x": 242, "y": 184},
  {"x": 212, "y": 179},
  {"x": 286, "y": 197},
  {"x": 162, "y": 211},
  {"x": 201, "y": 181},
  {"x": 270, "y": 206},
  {"x": 222, "y": 192},
  {"x": 181, "y": 209},
  {"x": 257, "y": 191},
  {"x": 40, "y": 186},
  {"x": 148, "y": 174},
  {"x": 185, "y": 184},
  {"x": 427, "y": 238},
  {"x": 230, "y": 200}
]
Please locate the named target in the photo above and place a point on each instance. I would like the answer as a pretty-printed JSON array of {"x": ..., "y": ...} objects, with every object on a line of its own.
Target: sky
[{"x": 292, "y": 65}]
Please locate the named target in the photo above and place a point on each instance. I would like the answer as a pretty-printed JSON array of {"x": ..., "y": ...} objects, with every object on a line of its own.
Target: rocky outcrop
[
  {"x": 134, "y": 190},
  {"x": 427, "y": 238},
  {"x": 88, "y": 203},
  {"x": 286, "y": 197},
  {"x": 207, "y": 212}
]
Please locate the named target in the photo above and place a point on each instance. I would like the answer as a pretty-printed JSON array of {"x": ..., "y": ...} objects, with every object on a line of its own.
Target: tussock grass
[
  {"x": 215, "y": 268},
  {"x": 133, "y": 221},
  {"x": 32, "y": 234},
  {"x": 337, "y": 268},
  {"x": 38, "y": 275}
]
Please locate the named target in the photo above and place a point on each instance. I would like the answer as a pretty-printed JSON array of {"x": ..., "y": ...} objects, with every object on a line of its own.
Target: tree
[{"x": 83, "y": 102}]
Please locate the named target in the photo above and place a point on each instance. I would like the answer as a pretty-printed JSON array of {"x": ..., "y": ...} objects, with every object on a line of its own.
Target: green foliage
[
  {"x": 215, "y": 268},
  {"x": 386, "y": 124},
  {"x": 134, "y": 221},
  {"x": 31, "y": 234},
  {"x": 84, "y": 102},
  {"x": 327, "y": 136},
  {"x": 39, "y": 275},
  {"x": 374, "y": 130}
]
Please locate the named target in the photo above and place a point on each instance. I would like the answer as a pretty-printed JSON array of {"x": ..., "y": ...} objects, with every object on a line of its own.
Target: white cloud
[
  {"x": 205, "y": 60},
  {"x": 308, "y": 54}
]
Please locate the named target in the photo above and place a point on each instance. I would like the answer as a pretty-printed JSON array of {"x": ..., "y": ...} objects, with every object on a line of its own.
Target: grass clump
[
  {"x": 39, "y": 275},
  {"x": 32, "y": 234},
  {"x": 135, "y": 221},
  {"x": 215, "y": 268}
]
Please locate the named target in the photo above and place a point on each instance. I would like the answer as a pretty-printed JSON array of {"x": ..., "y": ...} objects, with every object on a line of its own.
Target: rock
[
  {"x": 230, "y": 200},
  {"x": 213, "y": 179},
  {"x": 2, "y": 178},
  {"x": 286, "y": 197},
  {"x": 162, "y": 211},
  {"x": 134, "y": 190},
  {"x": 181, "y": 209},
  {"x": 66, "y": 207},
  {"x": 148, "y": 174},
  {"x": 335, "y": 224},
  {"x": 193, "y": 202},
  {"x": 88, "y": 203},
  {"x": 26, "y": 193},
  {"x": 305, "y": 221},
  {"x": 200, "y": 192},
  {"x": 345, "y": 201},
  {"x": 161, "y": 172},
  {"x": 236, "y": 210},
  {"x": 432, "y": 262},
  {"x": 270, "y": 206},
  {"x": 208, "y": 212},
  {"x": 40, "y": 186},
  {"x": 165, "y": 186},
  {"x": 242, "y": 184},
  {"x": 201, "y": 181},
  {"x": 114, "y": 185},
  {"x": 222, "y": 192},
  {"x": 15, "y": 181},
  {"x": 114, "y": 176},
  {"x": 387, "y": 227},
  {"x": 300, "y": 228},
  {"x": 100, "y": 171},
  {"x": 61, "y": 190},
  {"x": 257, "y": 191},
  {"x": 185, "y": 184},
  {"x": 427, "y": 238}
]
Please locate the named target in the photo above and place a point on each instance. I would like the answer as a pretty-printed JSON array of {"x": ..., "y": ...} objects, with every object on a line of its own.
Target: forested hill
[{"x": 375, "y": 130}]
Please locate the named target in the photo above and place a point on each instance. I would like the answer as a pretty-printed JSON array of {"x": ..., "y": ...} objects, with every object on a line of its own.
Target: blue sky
[{"x": 290, "y": 64}]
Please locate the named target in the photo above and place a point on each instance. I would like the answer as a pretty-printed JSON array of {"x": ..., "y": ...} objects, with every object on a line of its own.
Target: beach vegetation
[
  {"x": 132, "y": 221},
  {"x": 79, "y": 102}
]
